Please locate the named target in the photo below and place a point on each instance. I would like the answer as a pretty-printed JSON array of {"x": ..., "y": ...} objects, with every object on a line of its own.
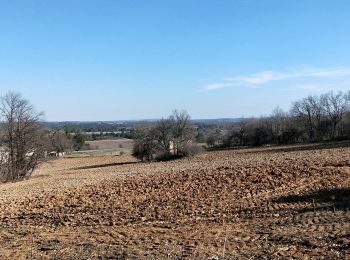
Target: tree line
[{"x": 319, "y": 118}]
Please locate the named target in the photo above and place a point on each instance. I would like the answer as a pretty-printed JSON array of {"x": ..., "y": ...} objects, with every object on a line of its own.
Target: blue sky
[{"x": 135, "y": 59}]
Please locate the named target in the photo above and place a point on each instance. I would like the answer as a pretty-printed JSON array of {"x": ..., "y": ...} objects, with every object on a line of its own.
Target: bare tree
[
  {"x": 310, "y": 111},
  {"x": 146, "y": 146},
  {"x": 168, "y": 138},
  {"x": 211, "y": 141},
  {"x": 278, "y": 123},
  {"x": 334, "y": 106},
  {"x": 163, "y": 132},
  {"x": 23, "y": 139},
  {"x": 302, "y": 110},
  {"x": 60, "y": 142},
  {"x": 183, "y": 131}
]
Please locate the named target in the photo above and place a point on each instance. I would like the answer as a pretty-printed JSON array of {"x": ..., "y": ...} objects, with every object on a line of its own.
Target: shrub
[{"x": 191, "y": 149}]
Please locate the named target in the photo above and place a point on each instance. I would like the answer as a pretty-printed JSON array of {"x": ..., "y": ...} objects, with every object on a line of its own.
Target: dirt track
[{"x": 273, "y": 203}]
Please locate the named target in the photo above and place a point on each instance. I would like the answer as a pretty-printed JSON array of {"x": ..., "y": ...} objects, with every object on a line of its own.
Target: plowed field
[{"x": 286, "y": 202}]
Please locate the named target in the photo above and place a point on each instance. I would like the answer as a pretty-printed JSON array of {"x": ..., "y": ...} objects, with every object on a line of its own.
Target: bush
[
  {"x": 191, "y": 149},
  {"x": 211, "y": 141},
  {"x": 78, "y": 141},
  {"x": 164, "y": 156},
  {"x": 143, "y": 150}
]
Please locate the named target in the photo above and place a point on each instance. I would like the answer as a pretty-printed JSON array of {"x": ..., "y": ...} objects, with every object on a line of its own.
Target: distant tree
[
  {"x": 66, "y": 130},
  {"x": 60, "y": 142},
  {"x": 168, "y": 138},
  {"x": 78, "y": 141},
  {"x": 200, "y": 138},
  {"x": 316, "y": 105},
  {"x": 304, "y": 111},
  {"x": 211, "y": 141},
  {"x": 278, "y": 123},
  {"x": 163, "y": 133},
  {"x": 183, "y": 130},
  {"x": 334, "y": 106},
  {"x": 145, "y": 146},
  {"x": 236, "y": 136},
  {"x": 344, "y": 126}
]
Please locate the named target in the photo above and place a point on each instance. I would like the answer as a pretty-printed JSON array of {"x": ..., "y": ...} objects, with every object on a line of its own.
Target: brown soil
[{"x": 254, "y": 203}]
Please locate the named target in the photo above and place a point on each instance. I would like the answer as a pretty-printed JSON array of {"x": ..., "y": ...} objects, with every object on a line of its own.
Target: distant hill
[
  {"x": 105, "y": 126},
  {"x": 218, "y": 121}
]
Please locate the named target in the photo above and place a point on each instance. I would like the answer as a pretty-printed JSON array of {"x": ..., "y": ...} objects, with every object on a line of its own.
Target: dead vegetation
[
  {"x": 120, "y": 144},
  {"x": 246, "y": 204}
]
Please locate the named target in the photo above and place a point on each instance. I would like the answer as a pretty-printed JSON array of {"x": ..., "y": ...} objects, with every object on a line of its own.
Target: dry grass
[
  {"x": 253, "y": 203},
  {"x": 121, "y": 144}
]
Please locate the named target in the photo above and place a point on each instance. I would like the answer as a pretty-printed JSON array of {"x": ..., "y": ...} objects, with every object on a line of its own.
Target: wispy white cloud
[
  {"x": 219, "y": 85},
  {"x": 313, "y": 87},
  {"x": 321, "y": 88},
  {"x": 265, "y": 77}
]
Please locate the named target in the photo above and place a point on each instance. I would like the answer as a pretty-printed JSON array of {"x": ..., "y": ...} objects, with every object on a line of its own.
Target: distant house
[
  {"x": 172, "y": 147},
  {"x": 56, "y": 154},
  {"x": 4, "y": 156}
]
